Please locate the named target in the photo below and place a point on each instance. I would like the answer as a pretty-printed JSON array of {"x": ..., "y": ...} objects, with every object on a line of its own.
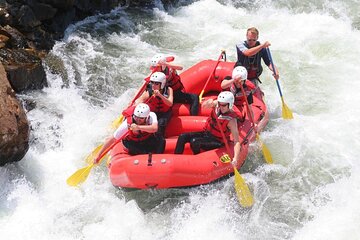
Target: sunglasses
[
  {"x": 155, "y": 83},
  {"x": 223, "y": 104},
  {"x": 251, "y": 40}
]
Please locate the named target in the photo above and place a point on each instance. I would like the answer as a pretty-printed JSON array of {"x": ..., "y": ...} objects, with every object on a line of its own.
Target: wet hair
[{"x": 253, "y": 30}]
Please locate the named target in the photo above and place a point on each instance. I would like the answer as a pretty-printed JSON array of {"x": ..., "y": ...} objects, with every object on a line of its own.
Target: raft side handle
[{"x": 150, "y": 159}]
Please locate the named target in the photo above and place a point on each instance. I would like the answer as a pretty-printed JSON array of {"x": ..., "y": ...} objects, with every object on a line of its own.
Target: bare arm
[
  {"x": 254, "y": 50},
  {"x": 173, "y": 66},
  {"x": 235, "y": 133},
  {"x": 276, "y": 73},
  {"x": 210, "y": 103},
  {"x": 107, "y": 144},
  {"x": 146, "y": 128},
  {"x": 144, "y": 96},
  {"x": 167, "y": 100},
  {"x": 226, "y": 83},
  {"x": 118, "y": 134}
]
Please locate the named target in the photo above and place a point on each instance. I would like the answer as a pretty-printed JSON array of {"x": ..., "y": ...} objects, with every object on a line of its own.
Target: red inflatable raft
[{"x": 168, "y": 170}]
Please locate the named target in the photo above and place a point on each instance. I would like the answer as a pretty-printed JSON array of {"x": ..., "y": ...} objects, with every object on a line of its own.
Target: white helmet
[
  {"x": 158, "y": 77},
  {"x": 158, "y": 59},
  {"x": 142, "y": 110},
  {"x": 226, "y": 97},
  {"x": 241, "y": 72}
]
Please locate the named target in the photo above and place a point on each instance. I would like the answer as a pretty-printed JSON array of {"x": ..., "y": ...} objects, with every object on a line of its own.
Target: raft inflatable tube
[{"x": 168, "y": 170}]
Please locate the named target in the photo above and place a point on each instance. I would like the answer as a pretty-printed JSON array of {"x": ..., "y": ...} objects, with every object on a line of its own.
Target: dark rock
[
  {"x": 42, "y": 11},
  {"x": 17, "y": 39},
  {"x": 60, "y": 4},
  {"x": 40, "y": 39},
  {"x": 100, "y": 6},
  {"x": 27, "y": 18},
  {"x": 62, "y": 20},
  {"x": 3, "y": 40},
  {"x": 24, "y": 69},
  {"x": 26, "y": 77},
  {"x": 14, "y": 127}
]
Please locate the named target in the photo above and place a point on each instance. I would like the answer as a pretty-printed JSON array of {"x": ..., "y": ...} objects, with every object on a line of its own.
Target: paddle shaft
[
  {"x": 118, "y": 121},
  {"x": 141, "y": 90},
  {"x": 242, "y": 190},
  {"x": 111, "y": 146},
  {"x": 274, "y": 71},
  {"x": 223, "y": 136},
  {"x": 250, "y": 113},
  {"x": 212, "y": 73},
  {"x": 266, "y": 152}
]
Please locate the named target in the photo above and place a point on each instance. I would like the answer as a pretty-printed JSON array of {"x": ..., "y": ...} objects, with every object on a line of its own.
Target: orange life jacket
[
  {"x": 136, "y": 136},
  {"x": 239, "y": 98},
  {"x": 155, "y": 103},
  {"x": 213, "y": 127},
  {"x": 173, "y": 79}
]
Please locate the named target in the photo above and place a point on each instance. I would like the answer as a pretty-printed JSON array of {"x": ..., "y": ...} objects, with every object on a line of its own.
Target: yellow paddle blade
[
  {"x": 116, "y": 123},
  {"x": 79, "y": 176},
  {"x": 286, "y": 112},
  {"x": 200, "y": 96},
  {"x": 90, "y": 158},
  {"x": 242, "y": 190},
  {"x": 265, "y": 150}
]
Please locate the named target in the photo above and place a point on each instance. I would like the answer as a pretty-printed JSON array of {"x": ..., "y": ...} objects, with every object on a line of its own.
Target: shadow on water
[{"x": 148, "y": 200}]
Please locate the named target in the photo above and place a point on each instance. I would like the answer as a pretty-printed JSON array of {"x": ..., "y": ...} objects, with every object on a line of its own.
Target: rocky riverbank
[{"x": 28, "y": 30}]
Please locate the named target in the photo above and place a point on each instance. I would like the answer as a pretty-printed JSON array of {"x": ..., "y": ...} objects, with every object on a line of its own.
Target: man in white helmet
[
  {"x": 211, "y": 137},
  {"x": 161, "y": 63},
  {"x": 159, "y": 97},
  {"x": 233, "y": 84},
  {"x": 140, "y": 126},
  {"x": 249, "y": 54}
]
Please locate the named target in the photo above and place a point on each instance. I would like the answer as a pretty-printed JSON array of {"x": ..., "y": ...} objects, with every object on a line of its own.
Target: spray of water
[{"x": 311, "y": 188}]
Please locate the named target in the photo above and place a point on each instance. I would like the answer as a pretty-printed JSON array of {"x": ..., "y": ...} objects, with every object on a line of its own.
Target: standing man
[{"x": 250, "y": 53}]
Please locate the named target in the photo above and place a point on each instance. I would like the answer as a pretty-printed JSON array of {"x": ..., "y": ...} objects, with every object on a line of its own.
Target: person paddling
[
  {"x": 162, "y": 64},
  {"x": 249, "y": 54},
  {"x": 211, "y": 137},
  {"x": 159, "y": 97},
  {"x": 233, "y": 84},
  {"x": 140, "y": 126}
]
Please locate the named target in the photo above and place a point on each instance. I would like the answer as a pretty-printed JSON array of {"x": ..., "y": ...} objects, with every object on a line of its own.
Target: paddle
[
  {"x": 265, "y": 150},
  {"x": 222, "y": 55},
  {"x": 81, "y": 175},
  {"x": 89, "y": 159},
  {"x": 242, "y": 190},
  {"x": 286, "y": 112},
  {"x": 116, "y": 123}
]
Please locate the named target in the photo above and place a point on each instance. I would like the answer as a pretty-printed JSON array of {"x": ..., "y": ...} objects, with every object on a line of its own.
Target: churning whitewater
[{"x": 310, "y": 192}]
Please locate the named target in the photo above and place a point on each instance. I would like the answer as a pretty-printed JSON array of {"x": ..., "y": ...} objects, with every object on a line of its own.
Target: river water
[{"x": 312, "y": 190}]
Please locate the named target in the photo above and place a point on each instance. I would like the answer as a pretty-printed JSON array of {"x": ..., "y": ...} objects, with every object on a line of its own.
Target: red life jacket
[
  {"x": 173, "y": 79},
  {"x": 252, "y": 72},
  {"x": 155, "y": 103},
  {"x": 213, "y": 127},
  {"x": 239, "y": 98},
  {"x": 136, "y": 136}
]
